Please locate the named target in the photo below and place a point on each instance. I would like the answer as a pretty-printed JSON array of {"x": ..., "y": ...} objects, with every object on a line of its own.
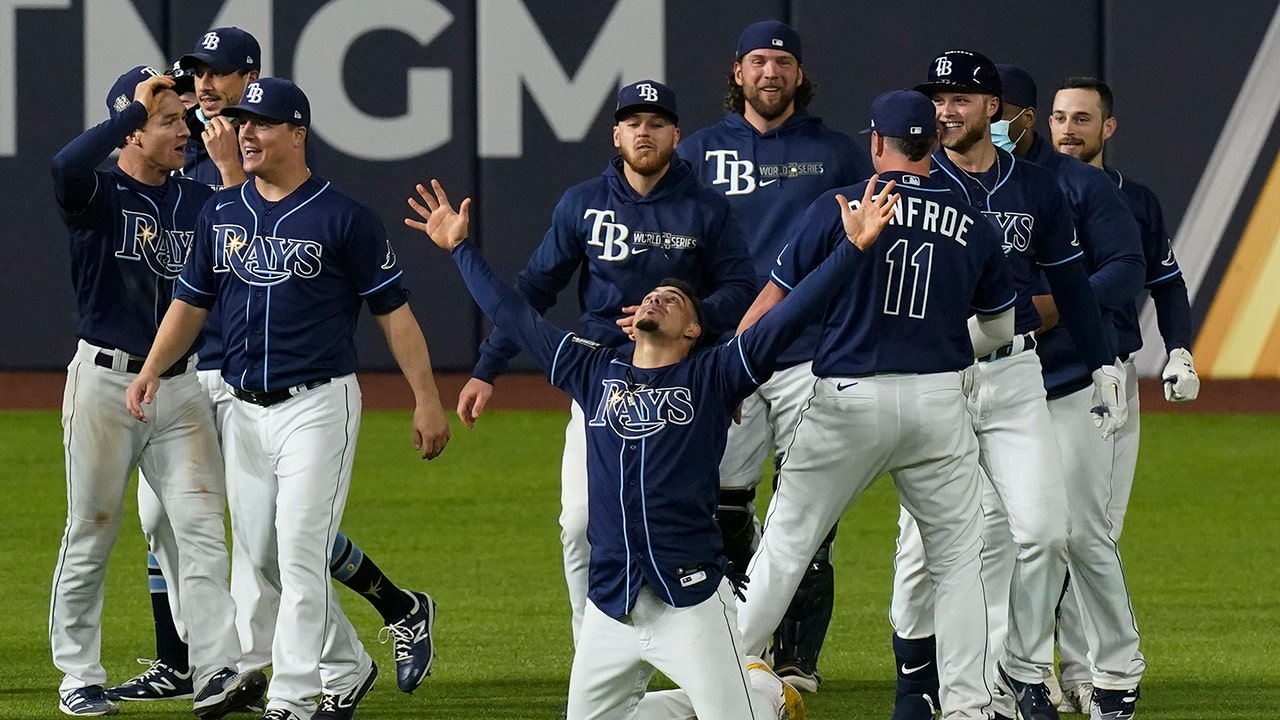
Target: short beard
[
  {"x": 965, "y": 142},
  {"x": 651, "y": 164},
  {"x": 764, "y": 109},
  {"x": 647, "y": 325}
]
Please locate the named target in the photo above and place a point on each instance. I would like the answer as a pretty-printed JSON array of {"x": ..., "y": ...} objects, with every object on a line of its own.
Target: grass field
[{"x": 477, "y": 529}]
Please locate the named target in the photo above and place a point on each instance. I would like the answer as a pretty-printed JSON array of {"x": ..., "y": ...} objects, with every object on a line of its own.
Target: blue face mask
[{"x": 1000, "y": 134}]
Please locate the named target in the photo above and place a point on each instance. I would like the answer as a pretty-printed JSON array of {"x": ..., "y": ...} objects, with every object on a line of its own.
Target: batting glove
[
  {"x": 1110, "y": 411},
  {"x": 1181, "y": 384}
]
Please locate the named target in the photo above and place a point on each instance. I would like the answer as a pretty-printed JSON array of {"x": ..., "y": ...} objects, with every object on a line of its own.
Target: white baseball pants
[{"x": 769, "y": 418}]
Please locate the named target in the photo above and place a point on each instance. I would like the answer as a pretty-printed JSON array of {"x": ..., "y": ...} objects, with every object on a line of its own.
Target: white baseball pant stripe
[
  {"x": 769, "y": 418},
  {"x": 917, "y": 428},
  {"x": 1099, "y": 479},
  {"x": 1025, "y": 531},
  {"x": 291, "y": 464},
  {"x": 698, "y": 647},
  {"x": 177, "y": 452}
]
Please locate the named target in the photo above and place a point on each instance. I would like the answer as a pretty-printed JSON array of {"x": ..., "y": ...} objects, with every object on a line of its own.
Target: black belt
[
  {"x": 267, "y": 398},
  {"x": 107, "y": 360},
  {"x": 1004, "y": 351}
]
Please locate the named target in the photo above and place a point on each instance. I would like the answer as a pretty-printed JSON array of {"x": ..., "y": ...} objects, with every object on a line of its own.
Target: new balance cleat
[
  {"x": 343, "y": 707},
  {"x": 1077, "y": 699},
  {"x": 1032, "y": 698},
  {"x": 1113, "y": 704},
  {"x": 414, "y": 651},
  {"x": 799, "y": 678},
  {"x": 158, "y": 682},
  {"x": 86, "y": 701},
  {"x": 228, "y": 691},
  {"x": 279, "y": 714}
]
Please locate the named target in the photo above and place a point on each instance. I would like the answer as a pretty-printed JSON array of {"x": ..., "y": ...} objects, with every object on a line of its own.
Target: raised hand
[
  {"x": 862, "y": 225},
  {"x": 445, "y": 226},
  {"x": 146, "y": 91}
]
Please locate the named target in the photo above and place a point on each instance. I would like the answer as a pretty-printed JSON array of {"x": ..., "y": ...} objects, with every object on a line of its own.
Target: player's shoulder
[{"x": 1132, "y": 187}]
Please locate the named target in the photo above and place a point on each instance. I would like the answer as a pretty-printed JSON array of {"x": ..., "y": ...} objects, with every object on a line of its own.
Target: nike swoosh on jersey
[
  {"x": 906, "y": 670},
  {"x": 763, "y": 183},
  {"x": 637, "y": 251},
  {"x": 224, "y": 204}
]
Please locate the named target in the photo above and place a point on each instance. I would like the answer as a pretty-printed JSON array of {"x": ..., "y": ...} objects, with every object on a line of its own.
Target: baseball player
[
  {"x": 1018, "y": 451},
  {"x": 225, "y": 60},
  {"x": 300, "y": 258},
  {"x": 1080, "y": 125},
  {"x": 646, "y": 217},
  {"x": 890, "y": 395},
  {"x": 130, "y": 230},
  {"x": 660, "y": 597},
  {"x": 771, "y": 159}
]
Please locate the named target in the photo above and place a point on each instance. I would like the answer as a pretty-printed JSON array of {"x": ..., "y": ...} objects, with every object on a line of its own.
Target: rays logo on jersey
[
  {"x": 1017, "y": 228},
  {"x": 259, "y": 260},
  {"x": 143, "y": 239},
  {"x": 638, "y": 412},
  {"x": 741, "y": 175}
]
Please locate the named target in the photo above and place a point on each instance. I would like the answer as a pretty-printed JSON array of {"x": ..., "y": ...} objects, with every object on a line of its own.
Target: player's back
[{"x": 905, "y": 310}]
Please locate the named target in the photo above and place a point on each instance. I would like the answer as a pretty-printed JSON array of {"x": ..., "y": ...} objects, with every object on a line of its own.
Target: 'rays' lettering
[
  {"x": 1017, "y": 229},
  {"x": 259, "y": 260},
  {"x": 165, "y": 251},
  {"x": 640, "y": 412}
]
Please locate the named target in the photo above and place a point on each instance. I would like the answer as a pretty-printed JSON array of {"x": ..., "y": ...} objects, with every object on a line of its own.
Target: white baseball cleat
[{"x": 1077, "y": 699}]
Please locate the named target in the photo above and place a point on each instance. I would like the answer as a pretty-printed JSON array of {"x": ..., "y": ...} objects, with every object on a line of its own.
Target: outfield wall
[{"x": 511, "y": 101}]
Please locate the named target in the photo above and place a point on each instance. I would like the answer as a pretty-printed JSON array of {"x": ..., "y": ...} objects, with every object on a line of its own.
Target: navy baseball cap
[
  {"x": 960, "y": 71},
  {"x": 225, "y": 49},
  {"x": 903, "y": 113},
  {"x": 121, "y": 95},
  {"x": 1019, "y": 86},
  {"x": 183, "y": 80},
  {"x": 646, "y": 96},
  {"x": 274, "y": 99},
  {"x": 770, "y": 34}
]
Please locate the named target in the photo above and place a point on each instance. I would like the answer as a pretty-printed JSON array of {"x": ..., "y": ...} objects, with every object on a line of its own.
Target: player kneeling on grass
[{"x": 660, "y": 597}]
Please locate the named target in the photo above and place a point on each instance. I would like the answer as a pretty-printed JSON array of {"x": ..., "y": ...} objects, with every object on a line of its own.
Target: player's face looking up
[
  {"x": 163, "y": 139},
  {"x": 1078, "y": 125},
  {"x": 667, "y": 311},
  {"x": 216, "y": 90},
  {"x": 964, "y": 119},
  {"x": 267, "y": 145},
  {"x": 769, "y": 79},
  {"x": 647, "y": 141}
]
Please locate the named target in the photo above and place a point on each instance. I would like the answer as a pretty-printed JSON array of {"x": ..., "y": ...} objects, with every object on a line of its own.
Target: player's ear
[
  {"x": 693, "y": 332},
  {"x": 1108, "y": 128},
  {"x": 994, "y": 108},
  {"x": 737, "y": 73},
  {"x": 676, "y": 141},
  {"x": 253, "y": 75},
  {"x": 617, "y": 135}
]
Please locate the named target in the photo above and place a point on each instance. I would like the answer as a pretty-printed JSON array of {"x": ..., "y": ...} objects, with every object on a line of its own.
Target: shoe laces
[
  {"x": 404, "y": 637},
  {"x": 156, "y": 667},
  {"x": 329, "y": 703}
]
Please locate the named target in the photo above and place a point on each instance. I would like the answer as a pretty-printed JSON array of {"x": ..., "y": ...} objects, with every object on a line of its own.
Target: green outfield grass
[{"x": 477, "y": 529}]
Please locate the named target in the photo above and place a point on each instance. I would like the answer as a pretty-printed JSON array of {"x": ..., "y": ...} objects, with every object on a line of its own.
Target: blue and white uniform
[
  {"x": 1018, "y": 451},
  {"x": 622, "y": 244},
  {"x": 1097, "y": 513},
  {"x": 128, "y": 242},
  {"x": 291, "y": 277},
  {"x": 654, "y": 436},
  {"x": 889, "y": 398}
]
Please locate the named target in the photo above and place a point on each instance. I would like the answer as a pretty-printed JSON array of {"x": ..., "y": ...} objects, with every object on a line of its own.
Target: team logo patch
[
  {"x": 121, "y": 102},
  {"x": 390, "y": 260},
  {"x": 164, "y": 251},
  {"x": 585, "y": 342},
  {"x": 635, "y": 412},
  {"x": 263, "y": 261},
  {"x": 910, "y": 180}
]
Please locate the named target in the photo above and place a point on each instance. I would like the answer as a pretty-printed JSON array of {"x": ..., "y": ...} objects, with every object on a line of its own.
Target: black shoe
[
  {"x": 87, "y": 701},
  {"x": 914, "y": 707},
  {"x": 800, "y": 678},
  {"x": 278, "y": 714},
  {"x": 1114, "y": 704},
  {"x": 343, "y": 707},
  {"x": 158, "y": 682},
  {"x": 1032, "y": 698},
  {"x": 228, "y": 691},
  {"x": 414, "y": 651}
]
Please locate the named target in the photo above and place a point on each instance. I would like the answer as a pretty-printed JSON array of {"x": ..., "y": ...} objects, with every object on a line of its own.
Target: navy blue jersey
[
  {"x": 291, "y": 276},
  {"x": 128, "y": 240},
  {"x": 655, "y": 436},
  {"x": 1030, "y": 211},
  {"x": 624, "y": 244},
  {"x": 1163, "y": 276},
  {"x": 1112, "y": 248},
  {"x": 770, "y": 178},
  {"x": 906, "y": 309}
]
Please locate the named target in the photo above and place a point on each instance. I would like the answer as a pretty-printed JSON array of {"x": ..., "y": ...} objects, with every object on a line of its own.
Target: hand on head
[
  {"x": 148, "y": 89},
  {"x": 445, "y": 226}
]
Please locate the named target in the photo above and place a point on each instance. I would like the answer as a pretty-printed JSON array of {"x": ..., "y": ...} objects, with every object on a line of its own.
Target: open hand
[
  {"x": 862, "y": 225},
  {"x": 445, "y": 226}
]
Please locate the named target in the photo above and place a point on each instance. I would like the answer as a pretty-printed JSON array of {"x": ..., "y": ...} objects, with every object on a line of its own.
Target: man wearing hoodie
[
  {"x": 770, "y": 158},
  {"x": 645, "y": 218}
]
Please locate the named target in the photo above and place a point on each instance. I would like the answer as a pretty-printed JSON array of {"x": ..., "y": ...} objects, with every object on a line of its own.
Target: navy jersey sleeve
[
  {"x": 732, "y": 277},
  {"x": 370, "y": 261},
  {"x": 810, "y": 241},
  {"x": 1079, "y": 309},
  {"x": 548, "y": 272},
  {"x": 1112, "y": 243},
  {"x": 75, "y": 179},
  {"x": 197, "y": 285},
  {"x": 1164, "y": 278},
  {"x": 753, "y": 355},
  {"x": 567, "y": 359}
]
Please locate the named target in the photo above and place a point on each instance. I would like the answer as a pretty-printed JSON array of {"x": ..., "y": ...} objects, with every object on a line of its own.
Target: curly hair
[{"x": 735, "y": 100}]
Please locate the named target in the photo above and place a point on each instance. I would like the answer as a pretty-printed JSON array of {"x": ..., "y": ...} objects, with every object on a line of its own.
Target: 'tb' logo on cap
[
  {"x": 648, "y": 93},
  {"x": 210, "y": 41},
  {"x": 942, "y": 67},
  {"x": 253, "y": 94}
]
